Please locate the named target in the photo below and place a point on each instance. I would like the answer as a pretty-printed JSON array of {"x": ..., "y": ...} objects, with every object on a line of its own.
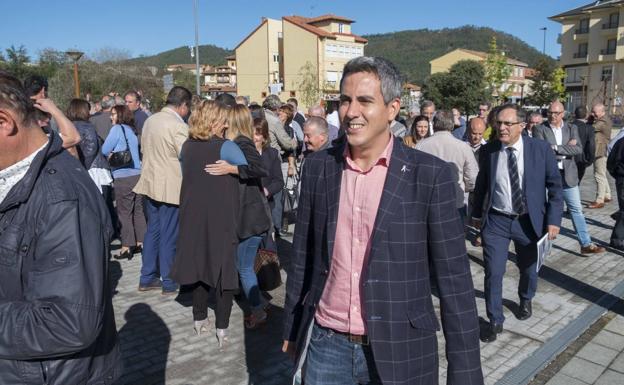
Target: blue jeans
[
  {"x": 246, "y": 256},
  {"x": 159, "y": 244},
  {"x": 572, "y": 198},
  {"x": 333, "y": 360},
  {"x": 497, "y": 233}
]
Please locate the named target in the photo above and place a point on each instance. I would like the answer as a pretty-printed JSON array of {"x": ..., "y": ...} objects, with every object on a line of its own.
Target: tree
[
  {"x": 497, "y": 72},
  {"x": 110, "y": 54},
  {"x": 463, "y": 87},
  {"x": 547, "y": 84},
  {"x": 16, "y": 61},
  {"x": 309, "y": 85}
]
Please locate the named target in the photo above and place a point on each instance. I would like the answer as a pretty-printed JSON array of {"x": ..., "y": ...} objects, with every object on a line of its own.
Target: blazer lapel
[
  {"x": 334, "y": 165},
  {"x": 396, "y": 180},
  {"x": 526, "y": 150},
  {"x": 493, "y": 166}
]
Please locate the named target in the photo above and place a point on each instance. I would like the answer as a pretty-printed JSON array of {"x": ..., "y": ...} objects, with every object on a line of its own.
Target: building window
[
  {"x": 611, "y": 45},
  {"x": 264, "y": 95},
  {"x": 280, "y": 35},
  {"x": 606, "y": 73},
  {"x": 340, "y": 28},
  {"x": 293, "y": 94},
  {"x": 276, "y": 58},
  {"x": 582, "y": 51},
  {"x": 583, "y": 26},
  {"x": 614, "y": 20},
  {"x": 574, "y": 75}
]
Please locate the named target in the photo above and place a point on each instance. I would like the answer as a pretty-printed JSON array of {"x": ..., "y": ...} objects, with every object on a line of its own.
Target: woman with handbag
[
  {"x": 209, "y": 213},
  {"x": 255, "y": 215},
  {"x": 121, "y": 148}
]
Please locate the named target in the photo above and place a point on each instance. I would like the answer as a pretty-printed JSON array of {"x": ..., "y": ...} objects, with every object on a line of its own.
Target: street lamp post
[
  {"x": 544, "y": 46},
  {"x": 75, "y": 56},
  {"x": 196, "y": 49}
]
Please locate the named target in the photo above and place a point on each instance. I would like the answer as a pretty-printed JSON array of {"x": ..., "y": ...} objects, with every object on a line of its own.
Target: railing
[
  {"x": 609, "y": 25},
  {"x": 607, "y": 51},
  {"x": 581, "y": 31},
  {"x": 580, "y": 55}
]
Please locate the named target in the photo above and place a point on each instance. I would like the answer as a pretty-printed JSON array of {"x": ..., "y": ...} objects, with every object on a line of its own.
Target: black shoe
[
  {"x": 524, "y": 311},
  {"x": 136, "y": 249},
  {"x": 125, "y": 255},
  {"x": 490, "y": 333},
  {"x": 154, "y": 285}
]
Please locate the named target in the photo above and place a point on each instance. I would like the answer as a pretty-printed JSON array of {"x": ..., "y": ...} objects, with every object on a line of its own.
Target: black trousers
[
  {"x": 617, "y": 236},
  {"x": 223, "y": 308}
]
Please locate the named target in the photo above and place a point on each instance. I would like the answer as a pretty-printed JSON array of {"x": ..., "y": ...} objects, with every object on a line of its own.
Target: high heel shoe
[
  {"x": 201, "y": 326},
  {"x": 222, "y": 337}
]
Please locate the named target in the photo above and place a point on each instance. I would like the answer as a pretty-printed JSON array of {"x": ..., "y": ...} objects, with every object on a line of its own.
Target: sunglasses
[{"x": 506, "y": 123}]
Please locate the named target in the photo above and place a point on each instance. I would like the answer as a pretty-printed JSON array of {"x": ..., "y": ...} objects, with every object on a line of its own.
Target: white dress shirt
[
  {"x": 501, "y": 199},
  {"x": 558, "y": 131}
]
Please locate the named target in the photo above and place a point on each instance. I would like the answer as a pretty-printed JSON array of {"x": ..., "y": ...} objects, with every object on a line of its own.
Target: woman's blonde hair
[
  {"x": 206, "y": 117},
  {"x": 239, "y": 122}
]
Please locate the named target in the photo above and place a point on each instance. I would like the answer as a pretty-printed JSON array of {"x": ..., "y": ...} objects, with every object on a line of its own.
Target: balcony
[
  {"x": 607, "y": 51},
  {"x": 609, "y": 25},
  {"x": 580, "y": 55},
  {"x": 581, "y": 31}
]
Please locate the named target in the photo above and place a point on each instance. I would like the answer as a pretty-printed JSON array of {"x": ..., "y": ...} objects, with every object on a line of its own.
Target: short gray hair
[
  {"x": 387, "y": 73},
  {"x": 272, "y": 103},
  {"x": 319, "y": 123},
  {"x": 427, "y": 103},
  {"x": 443, "y": 121},
  {"x": 107, "y": 102},
  {"x": 316, "y": 110}
]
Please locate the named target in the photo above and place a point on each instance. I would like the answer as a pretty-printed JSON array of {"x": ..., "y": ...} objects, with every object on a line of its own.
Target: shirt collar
[
  {"x": 555, "y": 127},
  {"x": 174, "y": 112},
  {"x": 11, "y": 175},
  {"x": 383, "y": 160},
  {"x": 518, "y": 145}
]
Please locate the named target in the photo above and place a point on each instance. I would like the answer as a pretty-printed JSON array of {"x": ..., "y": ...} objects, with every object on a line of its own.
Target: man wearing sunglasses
[
  {"x": 514, "y": 210},
  {"x": 564, "y": 139}
]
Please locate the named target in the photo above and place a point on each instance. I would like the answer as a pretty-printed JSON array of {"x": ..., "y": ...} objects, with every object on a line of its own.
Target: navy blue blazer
[
  {"x": 417, "y": 223},
  {"x": 541, "y": 185}
]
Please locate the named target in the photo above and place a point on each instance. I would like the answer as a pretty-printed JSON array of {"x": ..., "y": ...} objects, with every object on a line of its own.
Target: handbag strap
[{"x": 125, "y": 137}]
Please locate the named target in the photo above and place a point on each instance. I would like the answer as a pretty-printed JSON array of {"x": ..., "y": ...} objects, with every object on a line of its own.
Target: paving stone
[
  {"x": 562, "y": 379},
  {"x": 610, "y": 378},
  {"x": 616, "y": 325},
  {"x": 597, "y": 354},
  {"x": 583, "y": 370},
  {"x": 609, "y": 339},
  {"x": 618, "y": 363}
]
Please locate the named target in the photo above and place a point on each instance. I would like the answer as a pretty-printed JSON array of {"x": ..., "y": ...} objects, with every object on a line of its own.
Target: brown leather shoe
[
  {"x": 592, "y": 249},
  {"x": 595, "y": 205}
]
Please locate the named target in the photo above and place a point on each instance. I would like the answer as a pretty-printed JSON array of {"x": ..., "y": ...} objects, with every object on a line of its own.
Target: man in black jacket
[
  {"x": 56, "y": 324},
  {"x": 586, "y": 134}
]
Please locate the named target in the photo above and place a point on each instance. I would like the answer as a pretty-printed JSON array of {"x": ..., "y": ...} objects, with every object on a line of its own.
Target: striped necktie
[{"x": 516, "y": 193}]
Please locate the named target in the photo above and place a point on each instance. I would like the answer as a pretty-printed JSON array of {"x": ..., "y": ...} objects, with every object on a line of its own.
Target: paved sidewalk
[{"x": 159, "y": 346}]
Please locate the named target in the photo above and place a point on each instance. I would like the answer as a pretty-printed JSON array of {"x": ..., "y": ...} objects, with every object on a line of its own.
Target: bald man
[
  {"x": 319, "y": 111},
  {"x": 602, "y": 127},
  {"x": 565, "y": 142}
]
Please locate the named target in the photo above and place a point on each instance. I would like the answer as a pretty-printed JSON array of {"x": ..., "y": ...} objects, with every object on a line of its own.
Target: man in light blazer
[
  {"x": 160, "y": 182},
  {"x": 517, "y": 198},
  {"x": 565, "y": 141},
  {"x": 373, "y": 216}
]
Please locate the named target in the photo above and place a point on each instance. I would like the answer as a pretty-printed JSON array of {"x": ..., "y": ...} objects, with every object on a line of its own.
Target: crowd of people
[{"x": 200, "y": 187}]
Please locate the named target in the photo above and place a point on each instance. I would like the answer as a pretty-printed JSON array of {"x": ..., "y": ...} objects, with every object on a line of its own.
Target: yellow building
[
  {"x": 517, "y": 83},
  {"x": 277, "y": 62},
  {"x": 592, "y": 53}
]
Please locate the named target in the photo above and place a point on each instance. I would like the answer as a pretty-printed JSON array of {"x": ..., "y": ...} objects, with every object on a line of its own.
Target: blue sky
[{"x": 152, "y": 26}]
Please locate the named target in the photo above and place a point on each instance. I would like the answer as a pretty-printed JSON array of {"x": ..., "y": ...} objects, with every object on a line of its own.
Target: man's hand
[
  {"x": 553, "y": 231},
  {"x": 476, "y": 223},
  {"x": 572, "y": 142},
  {"x": 221, "y": 167},
  {"x": 47, "y": 105},
  {"x": 291, "y": 170},
  {"x": 288, "y": 347}
]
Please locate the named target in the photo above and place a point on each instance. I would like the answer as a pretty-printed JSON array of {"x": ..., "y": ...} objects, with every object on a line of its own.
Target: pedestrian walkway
[{"x": 159, "y": 346}]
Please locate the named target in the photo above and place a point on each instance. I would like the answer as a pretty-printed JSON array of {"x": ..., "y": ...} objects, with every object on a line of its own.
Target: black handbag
[
  {"x": 121, "y": 159},
  {"x": 267, "y": 270},
  {"x": 291, "y": 195}
]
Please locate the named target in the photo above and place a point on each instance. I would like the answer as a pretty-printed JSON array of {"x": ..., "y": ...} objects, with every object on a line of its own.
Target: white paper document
[{"x": 543, "y": 250}]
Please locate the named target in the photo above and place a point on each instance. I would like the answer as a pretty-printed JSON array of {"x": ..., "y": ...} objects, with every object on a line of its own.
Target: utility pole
[
  {"x": 544, "y": 46},
  {"x": 196, "y": 49}
]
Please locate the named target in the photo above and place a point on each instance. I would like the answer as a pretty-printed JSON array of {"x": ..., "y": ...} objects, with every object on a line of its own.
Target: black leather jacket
[{"x": 56, "y": 314}]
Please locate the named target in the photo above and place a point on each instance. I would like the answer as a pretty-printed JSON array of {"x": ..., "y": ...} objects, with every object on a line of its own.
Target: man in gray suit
[{"x": 564, "y": 139}]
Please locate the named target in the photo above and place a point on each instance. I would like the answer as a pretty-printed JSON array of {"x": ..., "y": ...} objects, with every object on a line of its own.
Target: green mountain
[
  {"x": 208, "y": 54},
  {"x": 411, "y": 51}
]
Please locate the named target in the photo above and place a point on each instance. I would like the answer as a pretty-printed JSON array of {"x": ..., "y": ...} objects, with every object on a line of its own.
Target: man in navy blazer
[
  {"x": 358, "y": 297},
  {"x": 520, "y": 178}
]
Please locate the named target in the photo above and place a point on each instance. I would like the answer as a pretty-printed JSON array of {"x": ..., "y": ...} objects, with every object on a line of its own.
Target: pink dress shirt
[{"x": 340, "y": 307}]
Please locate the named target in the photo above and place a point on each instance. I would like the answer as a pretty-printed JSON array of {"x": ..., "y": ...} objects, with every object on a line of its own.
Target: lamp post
[
  {"x": 544, "y": 46},
  {"x": 75, "y": 56},
  {"x": 196, "y": 49}
]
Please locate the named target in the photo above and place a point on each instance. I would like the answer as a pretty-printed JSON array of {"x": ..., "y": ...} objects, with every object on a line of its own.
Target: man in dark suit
[
  {"x": 564, "y": 139},
  {"x": 588, "y": 141},
  {"x": 515, "y": 210},
  {"x": 373, "y": 215}
]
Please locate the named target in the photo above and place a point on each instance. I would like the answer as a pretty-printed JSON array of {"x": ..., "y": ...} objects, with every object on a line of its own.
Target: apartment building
[
  {"x": 220, "y": 79},
  {"x": 278, "y": 54},
  {"x": 592, "y": 53},
  {"x": 518, "y": 83}
]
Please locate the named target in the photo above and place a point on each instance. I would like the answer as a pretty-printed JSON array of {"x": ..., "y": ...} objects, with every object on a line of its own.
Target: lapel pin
[{"x": 404, "y": 168}]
